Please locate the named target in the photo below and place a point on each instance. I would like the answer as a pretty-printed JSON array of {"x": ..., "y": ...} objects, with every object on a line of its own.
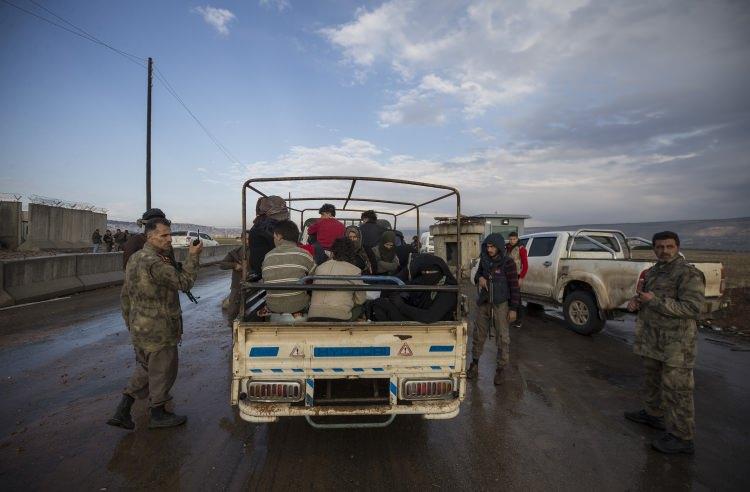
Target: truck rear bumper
[{"x": 270, "y": 412}]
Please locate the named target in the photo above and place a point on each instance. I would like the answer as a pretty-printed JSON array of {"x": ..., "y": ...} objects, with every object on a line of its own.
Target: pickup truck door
[{"x": 542, "y": 274}]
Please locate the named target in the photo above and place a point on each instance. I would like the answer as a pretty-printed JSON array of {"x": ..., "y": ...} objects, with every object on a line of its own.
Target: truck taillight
[
  {"x": 274, "y": 391},
  {"x": 427, "y": 389}
]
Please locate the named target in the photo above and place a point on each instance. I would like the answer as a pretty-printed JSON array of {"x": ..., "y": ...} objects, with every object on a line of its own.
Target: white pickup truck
[
  {"x": 592, "y": 274},
  {"x": 350, "y": 370}
]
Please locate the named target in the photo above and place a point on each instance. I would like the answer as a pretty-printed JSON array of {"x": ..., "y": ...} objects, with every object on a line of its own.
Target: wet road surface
[{"x": 555, "y": 422}]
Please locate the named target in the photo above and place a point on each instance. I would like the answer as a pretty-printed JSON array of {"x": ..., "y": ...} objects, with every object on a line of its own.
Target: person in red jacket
[
  {"x": 326, "y": 230},
  {"x": 517, "y": 251}
]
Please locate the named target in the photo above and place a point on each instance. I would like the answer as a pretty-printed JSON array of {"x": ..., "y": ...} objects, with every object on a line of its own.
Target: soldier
[
  {"x": 233, "y": 261},
  {"x": 136, "y": 241},
  {"x": 151, "y": 308},
  {"x": 668, "y": 303}
]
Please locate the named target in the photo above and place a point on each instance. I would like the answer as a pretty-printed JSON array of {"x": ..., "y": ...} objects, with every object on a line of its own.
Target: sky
[{"x": 571, "y": 111}]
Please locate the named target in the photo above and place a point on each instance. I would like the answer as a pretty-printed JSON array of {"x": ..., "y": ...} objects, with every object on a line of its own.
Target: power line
[
  {"x": 162, "y": 78},
  {"x": 82, "y": 33}
]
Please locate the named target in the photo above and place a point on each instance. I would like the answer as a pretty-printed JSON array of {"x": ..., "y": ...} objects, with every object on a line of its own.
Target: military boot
[
  {"x": 160, "y": 418},
  {"x": 473, "y": 371},
  {"x": 498, "y": 380},
  {"x": 643, "y": 417},
  {"x": 671, "y": 444},
  {"x": 122, "y": 417}
]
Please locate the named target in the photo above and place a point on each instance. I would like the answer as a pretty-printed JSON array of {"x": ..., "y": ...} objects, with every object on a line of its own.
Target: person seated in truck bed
[
  {"x": 326, "y": 230},
  {"x": 337, "y": 305},
  {"x": 385, "y": 254},
  {"x": 363, "y": 257},
  {"x": 424, "y": 307},
  {"x": 286, "y": 263},
  {"x": 269, "y": 211}
]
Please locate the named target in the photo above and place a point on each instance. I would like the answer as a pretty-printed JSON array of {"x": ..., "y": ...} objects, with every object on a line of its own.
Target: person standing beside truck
[
  {"x": 668, "y": 303},
  {"x": 233, "y": 261},
  {"x": 151, "y": 307},
  {"x": 96, "y": 239},
  {"x": 498, "y": 302},
  {"x": 136, "y": 241},
  {"x": 517, "y": 251}
]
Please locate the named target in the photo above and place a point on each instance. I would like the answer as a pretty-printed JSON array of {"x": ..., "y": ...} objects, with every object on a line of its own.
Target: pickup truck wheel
[{"x": 582, "y": 313}]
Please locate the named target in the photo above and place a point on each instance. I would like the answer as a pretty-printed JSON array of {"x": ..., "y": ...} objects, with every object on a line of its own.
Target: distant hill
[
  {"x": 719, "y": 234},
  {"x": 210, "y": 230}
]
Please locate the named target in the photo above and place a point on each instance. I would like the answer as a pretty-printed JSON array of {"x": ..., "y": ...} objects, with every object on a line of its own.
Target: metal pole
[{"x": 148, "y": 133}]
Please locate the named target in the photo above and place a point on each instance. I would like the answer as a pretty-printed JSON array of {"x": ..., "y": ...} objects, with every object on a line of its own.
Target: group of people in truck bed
[{"x": 275, "y": 256}]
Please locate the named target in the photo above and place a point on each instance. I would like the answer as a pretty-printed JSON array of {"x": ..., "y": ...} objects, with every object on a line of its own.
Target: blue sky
[{"x": 571, "y": 111}]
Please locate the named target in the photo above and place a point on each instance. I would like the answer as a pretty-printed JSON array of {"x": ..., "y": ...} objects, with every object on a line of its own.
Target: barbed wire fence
[{"x": 52, "y": 202}]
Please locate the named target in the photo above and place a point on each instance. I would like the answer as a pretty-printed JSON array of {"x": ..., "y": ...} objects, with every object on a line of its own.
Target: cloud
[
  {"x": 216, "y": 18},
  {"x": 279, "y": 5},
  {"x": 555, "y": 184},
  {"x": 486, "y": 57}
]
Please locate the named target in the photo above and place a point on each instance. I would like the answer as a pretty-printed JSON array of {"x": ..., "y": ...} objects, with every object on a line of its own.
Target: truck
[
  {"x": 350, "y": 373},
  {"x": 593, "y": 273}
]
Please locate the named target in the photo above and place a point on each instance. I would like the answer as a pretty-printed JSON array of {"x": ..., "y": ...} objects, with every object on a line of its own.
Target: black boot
[
  {"x": 162, "y": 418},
  {"x": 671, "y": 444},
  {"x": 122, "y": 417},
  {"x": 473, "y": 371},
  {"x": 643, "y": 417}
]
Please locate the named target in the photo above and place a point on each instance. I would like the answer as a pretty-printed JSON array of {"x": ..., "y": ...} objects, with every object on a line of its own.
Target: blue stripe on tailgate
[
  {"x": 264, "y": 351},
  {"x": 441, "y": 348},
  {"x": 352, "y": 352}
]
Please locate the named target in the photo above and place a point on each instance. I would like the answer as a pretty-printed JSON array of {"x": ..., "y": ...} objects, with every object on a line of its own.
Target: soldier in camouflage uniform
[
  {"x": 668, "y": 302},
  {"x": 151, "y": 308}
]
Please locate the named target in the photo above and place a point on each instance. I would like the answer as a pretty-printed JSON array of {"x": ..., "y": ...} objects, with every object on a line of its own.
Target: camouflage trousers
[
  {"x": 668, "y": 393},
  {"x": 154, "y": 375},
  {"x": 501, "y": 332},
  {"x": 234, "y": 306}
]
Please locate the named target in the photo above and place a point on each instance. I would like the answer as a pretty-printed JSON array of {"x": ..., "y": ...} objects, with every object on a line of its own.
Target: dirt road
[{"x": 555, "y": 423}]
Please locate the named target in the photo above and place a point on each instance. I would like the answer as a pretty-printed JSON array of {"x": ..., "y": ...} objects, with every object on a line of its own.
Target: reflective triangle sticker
[
  {"x": 405, "y": 350},
  {"x": 297, "y": 352}
]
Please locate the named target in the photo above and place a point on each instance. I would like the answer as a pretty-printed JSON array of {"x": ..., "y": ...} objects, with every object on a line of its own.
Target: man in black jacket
[
  {"x": 498, "y": 301},
  {"x": 371, "y": 230}
]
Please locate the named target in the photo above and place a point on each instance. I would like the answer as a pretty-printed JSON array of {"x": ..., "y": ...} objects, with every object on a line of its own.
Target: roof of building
[{"x": 503, "y": 216}]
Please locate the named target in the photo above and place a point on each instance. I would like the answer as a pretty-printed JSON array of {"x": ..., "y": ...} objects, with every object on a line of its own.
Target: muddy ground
[{"x": 554, "y": 424}]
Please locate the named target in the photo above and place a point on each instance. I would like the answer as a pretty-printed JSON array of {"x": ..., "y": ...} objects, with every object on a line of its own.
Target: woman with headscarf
[
  {"x": 269, "y": 210},
  {"x": 363, "y": 257},
  {"x": 424, "y": 306},
  {"x": 385, "y": 254}
]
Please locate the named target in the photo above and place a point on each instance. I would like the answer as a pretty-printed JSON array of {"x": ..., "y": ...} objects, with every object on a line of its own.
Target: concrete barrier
[
  {"x": 99, "y": 270},
  {"x": 36, "y": 279},
  {"x": 61, "y": 228}
]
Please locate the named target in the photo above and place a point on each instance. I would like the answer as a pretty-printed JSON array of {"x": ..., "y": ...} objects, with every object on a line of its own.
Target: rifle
[{"x": 178, "y": 266}]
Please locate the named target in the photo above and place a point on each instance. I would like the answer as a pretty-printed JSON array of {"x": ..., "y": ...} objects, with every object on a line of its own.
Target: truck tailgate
[
  {"x": 712, "y": 272},
  {"x": 349, "y": 349}
]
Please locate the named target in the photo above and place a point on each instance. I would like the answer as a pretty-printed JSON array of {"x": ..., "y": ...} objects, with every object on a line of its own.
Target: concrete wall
[
  {"x": 10, "y": 224},
  {"x": 444, "y": 234},
  {"x": 61, "y": 228},
  {"x": 36, "y": 279}
]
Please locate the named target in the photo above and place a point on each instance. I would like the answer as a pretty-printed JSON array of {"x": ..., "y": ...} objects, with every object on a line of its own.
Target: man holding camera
[
  {"x": 151, "y": 308},
  {"x": 668, "y": 301}
]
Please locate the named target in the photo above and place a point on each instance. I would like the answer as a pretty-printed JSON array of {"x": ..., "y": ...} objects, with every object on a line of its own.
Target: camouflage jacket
[
  {"x": 666, "y": 327},
  {"x": 150, "y": 299}
]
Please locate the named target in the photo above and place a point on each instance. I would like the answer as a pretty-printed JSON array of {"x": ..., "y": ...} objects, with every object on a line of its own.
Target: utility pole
[{"x": 148, "y": 133}]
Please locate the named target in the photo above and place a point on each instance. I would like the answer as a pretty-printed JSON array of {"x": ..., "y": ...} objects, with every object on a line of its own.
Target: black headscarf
[
  {"x": 387, "y": 254},
  {"x": 426, "y": 269}
]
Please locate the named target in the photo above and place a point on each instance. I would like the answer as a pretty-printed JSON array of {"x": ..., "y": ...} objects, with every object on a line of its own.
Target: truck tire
[{"x": 582, "y": 313}]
